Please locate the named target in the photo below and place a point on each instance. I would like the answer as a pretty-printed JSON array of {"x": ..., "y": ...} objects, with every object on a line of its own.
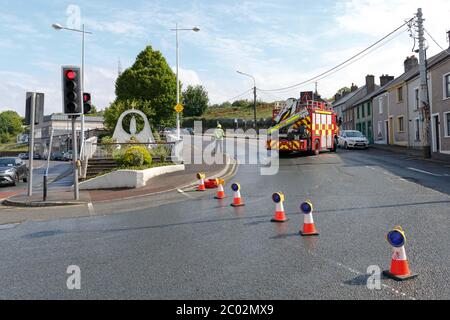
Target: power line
[
  {"x": 348, "y": 64},
  {"x": 448, "y": 52},
  {"x": 342, "y": 63},
  {"x": 240, "y": 95}
]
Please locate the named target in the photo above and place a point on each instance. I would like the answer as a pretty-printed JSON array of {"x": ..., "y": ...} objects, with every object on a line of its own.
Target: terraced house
[
  {"x": 397, "y": 118},
  {"x": 439, "y": 74},
  {"x": 362, "y": 110}
]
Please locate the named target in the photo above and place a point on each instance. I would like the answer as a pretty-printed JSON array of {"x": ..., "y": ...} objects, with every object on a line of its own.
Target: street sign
[
  {"x": 39, "y": 108},
  {"x": 179, "y": 108}
]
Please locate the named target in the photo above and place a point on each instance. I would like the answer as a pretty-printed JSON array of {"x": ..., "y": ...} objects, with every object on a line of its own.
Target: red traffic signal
[
  {"x": 86, "y": 97},
  {"x": 71, "y": 85},
  {"x": 87, "y": 104},
  {"x": 71, "y": 75}
]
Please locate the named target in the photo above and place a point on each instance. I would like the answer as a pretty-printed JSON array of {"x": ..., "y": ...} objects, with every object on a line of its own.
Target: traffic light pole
[
  {"x": 31, "y": 145},
  {"x": 82, "y": 92},
  {"x": 74, "y": 159}
]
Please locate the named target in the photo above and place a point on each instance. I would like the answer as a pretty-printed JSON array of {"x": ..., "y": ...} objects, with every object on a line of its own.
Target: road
[
  {"x": 56, "y": 169},
  {"x": 190, "y": 246}
]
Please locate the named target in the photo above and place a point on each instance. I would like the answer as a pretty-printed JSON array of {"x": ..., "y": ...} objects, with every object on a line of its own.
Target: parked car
[
  {"x": 57, "y": 156},
  {"x": 352, "y": 139},
  {"x": 12, "y": 170},
  {"x": 37, "y": 156},
  {"x": 67, "y": 155},
  {"x": 23, "y": 156}
]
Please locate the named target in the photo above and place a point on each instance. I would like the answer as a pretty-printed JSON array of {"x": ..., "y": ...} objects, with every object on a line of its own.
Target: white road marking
[
  {"x": 356, "y": 272},
  {"x": 185, "y": 194},
  {"x": 91, "y": 209},
  {"x": 426, "y": 172},
  {"x": 8, "y": 226}
]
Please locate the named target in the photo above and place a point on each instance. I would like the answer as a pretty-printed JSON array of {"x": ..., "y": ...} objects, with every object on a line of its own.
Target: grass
[
  {"x": 22, "y": 147},
  {"x": 262, "y": 111}
]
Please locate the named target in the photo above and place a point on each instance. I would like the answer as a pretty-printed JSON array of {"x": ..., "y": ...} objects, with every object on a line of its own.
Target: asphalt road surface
[
  {"x": 56, "y": 169},
  {"x": 191, "y": 246}
]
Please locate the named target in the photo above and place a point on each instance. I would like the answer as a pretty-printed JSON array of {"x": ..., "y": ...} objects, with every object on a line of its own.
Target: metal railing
[{"x": 158, "y": 150}]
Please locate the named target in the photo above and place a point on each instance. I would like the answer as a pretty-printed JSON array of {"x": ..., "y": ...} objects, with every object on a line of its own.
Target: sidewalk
[
  {"x": 160, "y": 184},
  {"x": 411, "y": 152}
]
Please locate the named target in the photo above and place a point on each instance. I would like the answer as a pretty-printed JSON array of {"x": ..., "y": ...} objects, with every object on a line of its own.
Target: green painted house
[{"x": 363, "y": 118}]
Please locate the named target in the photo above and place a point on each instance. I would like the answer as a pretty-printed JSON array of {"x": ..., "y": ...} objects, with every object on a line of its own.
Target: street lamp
[
  {"x": 254, "y": 96},
  {"x": 195, "y": 29},
  {"x": 58, "y": 27}
]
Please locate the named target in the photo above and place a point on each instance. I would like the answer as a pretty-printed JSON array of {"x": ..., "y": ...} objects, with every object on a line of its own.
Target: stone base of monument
[{"x": 127, "y": 178}]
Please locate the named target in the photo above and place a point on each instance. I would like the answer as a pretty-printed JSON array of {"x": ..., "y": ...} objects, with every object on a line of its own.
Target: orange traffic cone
[
  {"x": 280, "y": 215},
  {"x": 237, "y": 201},
  {"x": 201, "y": 185},
  {"x": 399, "y": 264},
  {"x": 220, "y": 191},
  {"x": 309, "y": 229}
]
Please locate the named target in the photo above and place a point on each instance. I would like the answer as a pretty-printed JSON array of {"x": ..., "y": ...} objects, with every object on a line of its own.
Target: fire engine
[{"x": 306, "y": 124}]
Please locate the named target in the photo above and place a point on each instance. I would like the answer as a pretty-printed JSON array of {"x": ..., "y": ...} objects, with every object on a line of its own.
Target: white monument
[{"x": 122, "y": 136}]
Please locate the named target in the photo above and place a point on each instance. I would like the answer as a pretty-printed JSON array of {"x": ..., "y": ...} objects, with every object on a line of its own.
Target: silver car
[
  {"x": 12, "y": 170},
  {"x": 352, "y": 139}
]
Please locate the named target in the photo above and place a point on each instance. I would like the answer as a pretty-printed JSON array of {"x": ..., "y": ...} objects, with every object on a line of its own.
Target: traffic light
[
  {"x": 87, "y": 104},
  {"x": 71, "y": 82}
]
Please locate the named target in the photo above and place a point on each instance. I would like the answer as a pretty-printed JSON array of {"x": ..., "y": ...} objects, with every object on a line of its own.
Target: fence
[{"x": 160, "y": 150}]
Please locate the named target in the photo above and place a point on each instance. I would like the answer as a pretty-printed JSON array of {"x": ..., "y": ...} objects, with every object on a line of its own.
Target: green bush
[
  {"x": 161, "y": 151},
  {"x": 134, "y": 156}
]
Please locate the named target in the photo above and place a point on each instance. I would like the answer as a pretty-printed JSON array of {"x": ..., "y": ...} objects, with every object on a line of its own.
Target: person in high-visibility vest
[{"x": 219, "y": 134}]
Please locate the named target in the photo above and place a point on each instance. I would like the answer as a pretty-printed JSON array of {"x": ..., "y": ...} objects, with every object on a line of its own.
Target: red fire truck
[{"x": 303, "y": 125}]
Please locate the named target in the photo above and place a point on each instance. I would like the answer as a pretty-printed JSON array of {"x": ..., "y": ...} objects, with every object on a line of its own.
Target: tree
[
  {"x": 195, "y": 101},
  {"x": 151, "y": 85},
  {"x": 10, "y": 125},
  {"x": 242, "y": 104}
]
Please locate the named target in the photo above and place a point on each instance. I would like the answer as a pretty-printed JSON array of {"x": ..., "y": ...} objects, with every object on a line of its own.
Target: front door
[
  {"x": 436, "y": 138},
  {"x": 391, "y": 131}
]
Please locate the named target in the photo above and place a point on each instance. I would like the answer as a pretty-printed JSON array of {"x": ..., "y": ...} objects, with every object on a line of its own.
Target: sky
[{"x": 280, "y": 43}]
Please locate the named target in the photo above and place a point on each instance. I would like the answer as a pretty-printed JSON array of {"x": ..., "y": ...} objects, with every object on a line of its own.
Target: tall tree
[
  {"x": 10, "y": 125},
  {"x": 151, "y": 85},
  {"x": 195, "y": 101}
]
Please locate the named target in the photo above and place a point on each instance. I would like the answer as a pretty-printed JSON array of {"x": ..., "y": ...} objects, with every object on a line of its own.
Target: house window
[
  {"x": 357, "y": 112},
  {"x": 369, "y": 107},
  {"x": 400, "y": 124},
  {"x": 447, "y": 86},
  {"x": 380, "y": 133},
  {"x": 380, "y": 105},
  {"x": 417, "y": 129},
  {"x": 416, "y": 99},
  {"x": 400, "y": 94},
  {"x": 363, "y": 110},
  {"x": 447, "y": 121}
]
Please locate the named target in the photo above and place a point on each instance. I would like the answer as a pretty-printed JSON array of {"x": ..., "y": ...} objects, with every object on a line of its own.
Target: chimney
[
  {"x": 353, "y": 87},
  {"x": 384, "y": 79},
  {"x": 410, "y": 63},
  {"x": 448, "y": 37},
  {"x": 370, "y": 83},
  {"x": 337, "y": 96}
]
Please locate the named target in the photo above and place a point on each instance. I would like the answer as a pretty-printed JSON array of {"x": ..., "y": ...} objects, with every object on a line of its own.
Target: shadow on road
[{"x": 385, "y": 206}]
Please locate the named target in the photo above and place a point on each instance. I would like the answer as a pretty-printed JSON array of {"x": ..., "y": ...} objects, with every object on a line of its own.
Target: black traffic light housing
[
  {"x": 87, "y": 104},
  {"x": 71, "y": 85}
]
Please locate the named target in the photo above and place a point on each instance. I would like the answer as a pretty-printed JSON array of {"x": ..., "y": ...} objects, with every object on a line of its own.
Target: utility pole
[
  {"x": 423, "y": 92},
  {"x": 254, "y": 109}
]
